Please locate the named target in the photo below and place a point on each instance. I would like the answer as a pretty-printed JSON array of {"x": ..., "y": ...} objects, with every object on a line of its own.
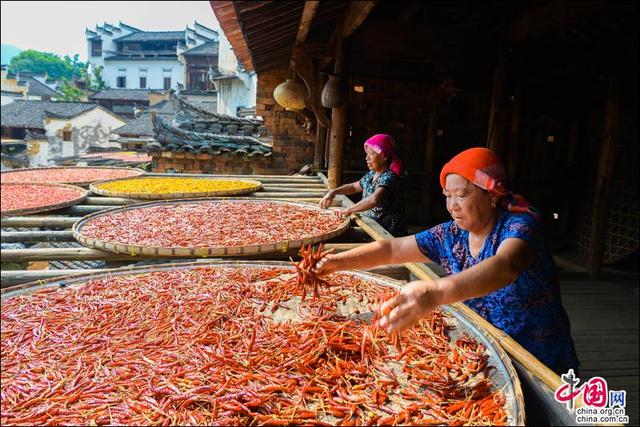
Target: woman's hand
[
  {"x": 325, "y": 202},
  {"x": 327, "y": 263},
  {"x": 344, "y": 212},
  {"x": 415, "y": 300}
]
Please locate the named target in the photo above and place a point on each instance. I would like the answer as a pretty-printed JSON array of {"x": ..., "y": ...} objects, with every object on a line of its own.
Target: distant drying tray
[
  {"x": 166, "y": 231},
  {"x": 252, "y": 187},
  {"x": 69, "y": 199},
  {"x": 75, "y": 175}
]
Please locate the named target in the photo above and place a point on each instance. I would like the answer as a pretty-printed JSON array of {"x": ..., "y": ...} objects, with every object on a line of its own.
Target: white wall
[
  {"x": 227, "y": 61},
  {"x": 239, "y": 92},
  {"x": 234, "y": 93},
  {"x": 88, "y": 129},
  {"x": 155, "y": 73}
]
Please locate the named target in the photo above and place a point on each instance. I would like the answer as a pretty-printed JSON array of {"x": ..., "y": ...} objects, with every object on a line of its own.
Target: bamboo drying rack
[{"x": 311, "y": 189}]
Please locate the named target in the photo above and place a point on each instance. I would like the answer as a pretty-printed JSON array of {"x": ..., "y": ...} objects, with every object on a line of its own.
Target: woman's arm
[
  {"x": 369, "y": 202},
  {"x": 391, "y": 251},
  {"x": 419, "y": 298},
  {"x": 346, "y": 190}
]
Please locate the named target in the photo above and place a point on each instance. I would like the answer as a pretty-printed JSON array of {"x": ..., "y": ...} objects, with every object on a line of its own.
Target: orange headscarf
[{"x": 483, "y": 168}]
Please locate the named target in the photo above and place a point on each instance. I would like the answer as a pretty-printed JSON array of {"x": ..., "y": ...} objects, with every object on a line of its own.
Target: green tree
[
  {"x": 70, "y": 93},
  {"x": 44, "y": 62},
  {"x": 97, "y": 82},
  {"x": 41, "y": 62}
]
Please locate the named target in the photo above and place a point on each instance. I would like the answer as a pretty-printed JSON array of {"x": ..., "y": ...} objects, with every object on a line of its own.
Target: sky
[{"x": 58, "y": 26}]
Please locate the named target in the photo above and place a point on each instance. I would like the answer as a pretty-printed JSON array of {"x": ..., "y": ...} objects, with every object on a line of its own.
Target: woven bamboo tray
[
  {"x": 134, "y": 173},
  {"x": 83, "y": 193},
  {"x": 504, "y": 377},
  {"x": 214, "y": 251},
  {"x": 256, "y": 185}
]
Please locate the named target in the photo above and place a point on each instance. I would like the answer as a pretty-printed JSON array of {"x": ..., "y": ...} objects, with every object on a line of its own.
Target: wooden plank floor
[{"x": 604, "y": 324}]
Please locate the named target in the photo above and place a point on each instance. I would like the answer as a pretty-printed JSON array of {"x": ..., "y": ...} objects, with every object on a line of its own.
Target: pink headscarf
[{"x": 385, "y": 145}]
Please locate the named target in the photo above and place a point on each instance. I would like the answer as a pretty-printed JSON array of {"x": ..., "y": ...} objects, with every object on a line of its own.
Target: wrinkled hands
[
  {"x": 327, "y": 263},
  {"x": 415, "y": 300},
  {"x": 325, "y": 202}
]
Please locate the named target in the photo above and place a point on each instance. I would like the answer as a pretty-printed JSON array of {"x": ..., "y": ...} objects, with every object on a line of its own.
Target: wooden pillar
[
  {"x": 514, "y": 139},
  {"x": 430, "y": 163},
  {"x": 604, "y": 179},
  {"x": 338, "y": 122},
  {"x": 318, "y": 152},
  {"x": 495, "y": 131}
]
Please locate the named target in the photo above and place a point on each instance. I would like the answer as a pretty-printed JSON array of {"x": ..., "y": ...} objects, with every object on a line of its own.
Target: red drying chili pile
[
  {"x": 231, "y": 346},
  {"x": 68, "y": 175},
  {"x": 30, "y": 196},
  {"x": 212, "y": 224}
]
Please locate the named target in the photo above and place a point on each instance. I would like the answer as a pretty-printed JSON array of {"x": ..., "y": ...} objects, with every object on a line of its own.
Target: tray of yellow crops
[{"x": 174, "y": 187}]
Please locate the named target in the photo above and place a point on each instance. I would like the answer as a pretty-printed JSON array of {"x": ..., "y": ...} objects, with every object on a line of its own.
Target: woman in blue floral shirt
[
  {"x": 494, "y": 254},
  {"x": 380, "y": 187}
]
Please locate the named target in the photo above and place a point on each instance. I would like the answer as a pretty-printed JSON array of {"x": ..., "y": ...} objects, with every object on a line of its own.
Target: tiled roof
[
  {"x": 122, "y": 94},
  {"x": 140, "y": 126},
  {"x": 151, "y": 36},
  {"x": 37, "y": 88},
  {"x": 171, "y": 138},
  {"x": 31, "y": 114},
  {"x": 205, "y": 49},
  {"x": 146, "y": 57}
]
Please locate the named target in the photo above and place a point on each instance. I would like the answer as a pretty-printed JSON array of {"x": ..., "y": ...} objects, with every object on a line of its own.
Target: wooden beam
[
  {"x": 89, "y": 254},
  {"x": 16, "y": 277},
  {"x": 604, "y": 178},
  {"x": 497, "y": 114},
  {"x": 36, "y": 236},
  {"x": 39, "y": 221},
  {"x": 558, "y": 15},
  {"x": 355, "y": 15},
  {"x": 310, "y": 9}
]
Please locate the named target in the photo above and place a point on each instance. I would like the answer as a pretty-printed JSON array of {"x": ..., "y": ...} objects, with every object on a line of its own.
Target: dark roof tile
[
  {"x": 148, "y": 36},
  {"x": 123, "y": 94},
  {"x": 205, "y": 49},
  {"x": 31, "y": 114}
]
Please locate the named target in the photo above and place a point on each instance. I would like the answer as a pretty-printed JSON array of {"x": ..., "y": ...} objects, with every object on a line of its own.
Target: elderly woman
[
  {"x": 495, "y": 258},
  {"x": 381, "y": 197}
]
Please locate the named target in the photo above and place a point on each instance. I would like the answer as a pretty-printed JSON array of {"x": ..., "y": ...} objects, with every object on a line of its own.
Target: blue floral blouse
[
  {"x": 529, "y": 309},
  {"x": 390, "y": 212}
]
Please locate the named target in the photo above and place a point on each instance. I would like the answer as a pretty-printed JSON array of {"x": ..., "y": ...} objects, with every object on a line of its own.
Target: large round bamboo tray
[
  {"x": 504, "y": 377},
  {"x": 255, "y": 186},
  {"x": 217, "y": 251},
  {"x": 8, "y": 176},
  {"x": 82, "y": 194}
]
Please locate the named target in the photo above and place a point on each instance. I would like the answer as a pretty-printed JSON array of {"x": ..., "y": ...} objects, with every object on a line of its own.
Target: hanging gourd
[{"x": 291, "y": 94}]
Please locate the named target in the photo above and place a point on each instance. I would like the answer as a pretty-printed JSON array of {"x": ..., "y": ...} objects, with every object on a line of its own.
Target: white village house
[
  {"x": 198, "y": 62},
  {"x": 137, "y": 59},
  {"x": 42, "y": 131}
]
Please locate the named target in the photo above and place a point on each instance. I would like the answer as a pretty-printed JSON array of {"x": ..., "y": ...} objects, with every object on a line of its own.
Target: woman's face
[
  {"x": 376, "y": 162},
  {"x": 470, "y": 207}
]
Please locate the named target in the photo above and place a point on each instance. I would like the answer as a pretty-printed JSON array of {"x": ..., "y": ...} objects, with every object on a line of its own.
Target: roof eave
[{"x": 227, "y": 17}]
